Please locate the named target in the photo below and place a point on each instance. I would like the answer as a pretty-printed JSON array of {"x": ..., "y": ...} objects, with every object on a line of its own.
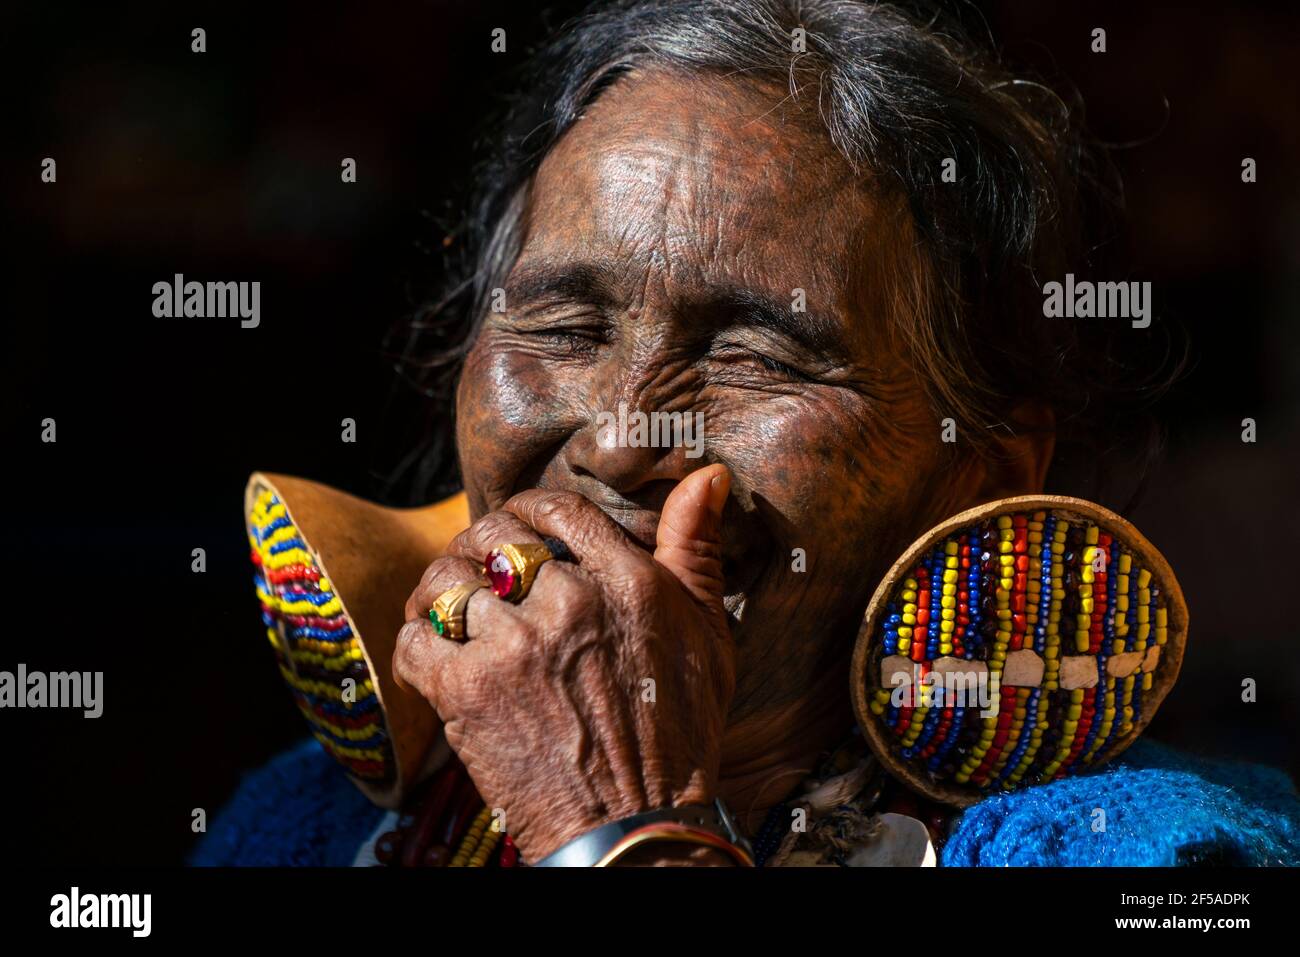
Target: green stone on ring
[{"x": 438, "y": 624}]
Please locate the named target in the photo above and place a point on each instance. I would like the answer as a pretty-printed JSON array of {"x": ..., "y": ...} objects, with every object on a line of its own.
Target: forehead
[{"x": 709, "y": 179}]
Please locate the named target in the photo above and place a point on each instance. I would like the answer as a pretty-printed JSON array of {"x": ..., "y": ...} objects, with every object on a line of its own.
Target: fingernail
[{"x": 719, "y": 486}]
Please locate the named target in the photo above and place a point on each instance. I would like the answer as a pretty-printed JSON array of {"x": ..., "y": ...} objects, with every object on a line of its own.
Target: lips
[{"x": 741, "y": 559}]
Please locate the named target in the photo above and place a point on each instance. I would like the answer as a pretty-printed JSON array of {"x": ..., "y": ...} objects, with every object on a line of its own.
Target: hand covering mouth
[{"x": 742, "y": 560}]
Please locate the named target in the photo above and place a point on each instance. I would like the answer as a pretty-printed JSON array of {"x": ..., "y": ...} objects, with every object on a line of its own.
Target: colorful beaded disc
[
  {"x": 1017, "y": 643},
  {"x": 318, "y": 653}
]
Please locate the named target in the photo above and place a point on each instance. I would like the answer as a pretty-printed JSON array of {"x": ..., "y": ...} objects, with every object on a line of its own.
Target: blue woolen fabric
[
  {"x": 299, "y": 809},
  {"x": 1162, "y": 808}
]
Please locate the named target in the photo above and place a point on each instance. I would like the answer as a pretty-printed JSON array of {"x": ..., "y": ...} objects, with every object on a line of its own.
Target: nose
[{"x": 631, "y": 449}]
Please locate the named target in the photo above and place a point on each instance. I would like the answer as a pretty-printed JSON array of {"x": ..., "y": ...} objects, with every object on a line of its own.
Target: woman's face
[{"x": 666, "y": 238}]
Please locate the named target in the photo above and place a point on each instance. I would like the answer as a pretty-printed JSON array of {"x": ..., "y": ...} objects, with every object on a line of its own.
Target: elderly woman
[{"x": 820, "y": 229}]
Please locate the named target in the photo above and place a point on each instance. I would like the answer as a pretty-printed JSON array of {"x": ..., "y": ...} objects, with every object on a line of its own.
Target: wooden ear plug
[
  {"x": 333, "y": 573},
  {"x": 1016, "y": 643}
]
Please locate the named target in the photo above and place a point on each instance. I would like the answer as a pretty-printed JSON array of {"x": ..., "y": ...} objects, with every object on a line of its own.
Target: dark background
[{"x": 225, "y": 165}]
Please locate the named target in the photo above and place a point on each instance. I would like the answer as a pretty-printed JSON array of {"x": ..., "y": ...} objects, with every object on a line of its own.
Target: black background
[{"x": 225, "y": 165}]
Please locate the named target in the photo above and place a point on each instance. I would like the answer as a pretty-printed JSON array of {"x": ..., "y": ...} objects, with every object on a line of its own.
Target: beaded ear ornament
[
  {"x": 1016, "y": 643},
  {"x": 332, "y": 606}
]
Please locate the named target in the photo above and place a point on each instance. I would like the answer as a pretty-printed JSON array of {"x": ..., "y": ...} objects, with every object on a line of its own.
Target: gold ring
[
  {"x": 510, "y": 569},
  {"x": 448, "y": 611}
]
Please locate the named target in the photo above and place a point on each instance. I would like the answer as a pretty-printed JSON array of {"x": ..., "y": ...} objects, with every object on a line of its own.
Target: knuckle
[
  {"x": 403, "y": 650},
  {"x": 559, "y": 505},
  {"x": 431, "y": 574},
  {"x": 572, "y": 599}
]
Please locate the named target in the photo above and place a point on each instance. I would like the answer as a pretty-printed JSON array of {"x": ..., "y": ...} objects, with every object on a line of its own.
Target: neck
[{"x": 768, "y": 753}]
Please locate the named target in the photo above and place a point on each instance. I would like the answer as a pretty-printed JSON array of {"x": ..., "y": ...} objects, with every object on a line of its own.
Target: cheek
[
  {"x": 510, "y": 409},
  {"x": 827, "y": 463}
]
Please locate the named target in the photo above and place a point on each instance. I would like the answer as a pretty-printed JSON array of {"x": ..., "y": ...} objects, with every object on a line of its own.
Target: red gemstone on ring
[{"x": 500, "y": 573}]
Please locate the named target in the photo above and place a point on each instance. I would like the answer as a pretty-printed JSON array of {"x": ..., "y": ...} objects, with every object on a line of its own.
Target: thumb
[{"x": 689, "y": 540}]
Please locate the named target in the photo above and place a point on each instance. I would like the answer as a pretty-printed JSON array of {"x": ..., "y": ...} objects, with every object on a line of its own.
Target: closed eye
[{"x": 737, "y": 354}]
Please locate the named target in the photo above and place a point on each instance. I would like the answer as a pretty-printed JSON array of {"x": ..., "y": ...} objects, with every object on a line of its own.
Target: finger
[
  {"x": 441, "y": 575},
  {"x": 421, "y": 657},
  {"x": 485, "y": 614},
  {"x": 601, "y": 547},
  {"x": 688, "y": 541},
  {"x": 489, "y": 532}
]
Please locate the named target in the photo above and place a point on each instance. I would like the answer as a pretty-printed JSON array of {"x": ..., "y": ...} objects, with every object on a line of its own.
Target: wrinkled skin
[{"x": 653, "y": 229}]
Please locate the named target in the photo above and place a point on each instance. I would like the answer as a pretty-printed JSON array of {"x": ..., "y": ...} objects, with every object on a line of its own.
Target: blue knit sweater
[{"x": 1161, "y": 808}]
